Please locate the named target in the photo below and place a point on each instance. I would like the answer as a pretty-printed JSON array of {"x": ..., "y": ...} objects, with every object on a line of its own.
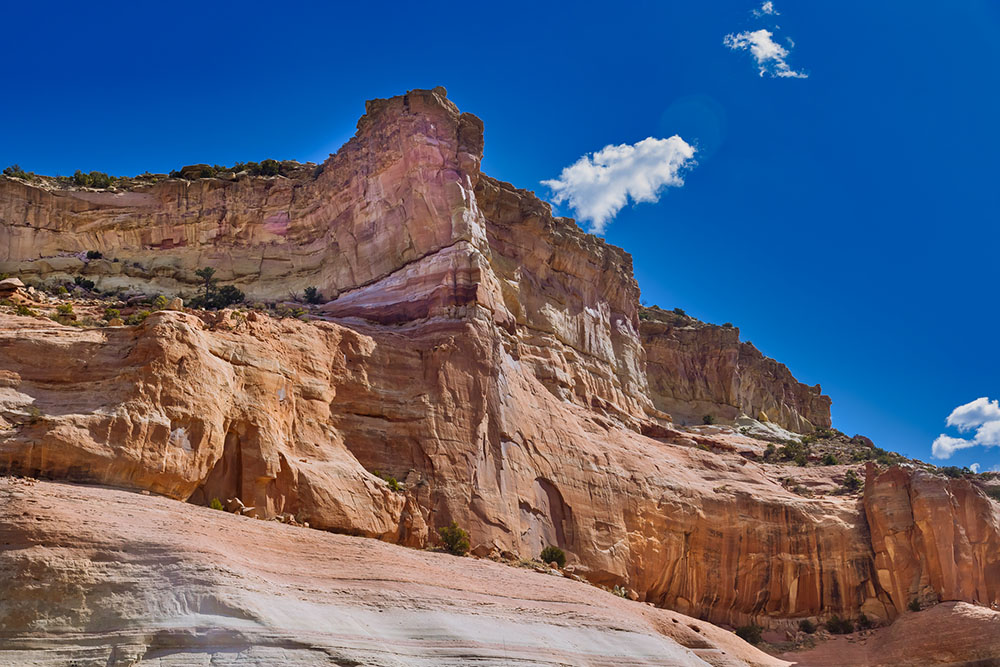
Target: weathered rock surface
[
  {"x": 113, "y": 578},
  {"x": 697, "y": 369},
  {"x": 934, "y": 538}
]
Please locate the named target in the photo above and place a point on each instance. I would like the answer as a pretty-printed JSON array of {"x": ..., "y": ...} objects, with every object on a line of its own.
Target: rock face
[
  {"x": 98, "y": 587},
  {"x": 479, "y": 350},
  {"x": 697, "y": 369},
  {"x": 934, "y": 538}
]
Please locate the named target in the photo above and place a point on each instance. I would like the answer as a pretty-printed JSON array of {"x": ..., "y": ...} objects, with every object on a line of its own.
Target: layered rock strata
[
  {"x": 697, "y": 369},
  {"x": 478, "y": 349}
]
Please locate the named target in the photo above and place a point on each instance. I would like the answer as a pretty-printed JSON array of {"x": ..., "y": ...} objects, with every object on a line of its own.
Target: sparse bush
[
  {"x": 727, "y": 325},
  {"x": 94, "y": 254},
  {"x": 137, "y": 317},
  {"x": 807, "y": 626},
  {"x": 851, "y": 481},
  {"x": 680, "y": 311},
  {"x": 65, "y": 309},
  {"x": 269, "y": 168},
  {"x": 770, "y": 452},
  {"x": 864, "y": 623},
  {"x": 914, "y": 605},
  {"x": 749, "y": 633},
  {"x": 801, "y": 459},
  {"x": 313, "y": 295},
  {"x": 551, "y": 554},
  {"x": 216, "y": 504},
  {"x": 23, "y": 310},
  {"x": 708, "y": 420},
  {"x": 830, "y": 460},
  {"x": 111, "y": 313},
  {"x": 160, "y": 302},
  {"x": 839, "y": 626},
  {"x": 83, "y": 282},
  {"x": 15, "y": 171},
  {"x": 456, "y": 540}
]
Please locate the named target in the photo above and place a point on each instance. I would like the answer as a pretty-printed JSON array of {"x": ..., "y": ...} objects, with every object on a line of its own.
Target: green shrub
[
  {"x": 83, "y": 282},
  {"x": 749, "y": 633},
  {"x": 680, "y": 311},
  {"x": 65, "y": 309},
  {"x": 551, "y": 554},
  {"x": 313, "y": 295},
  {"x": 94, "y": 254},
  {"x": 160, "y": 302},
  {"x": 216, "y": 504},
  {"x": 214, "y": 297},
  {"x": 801, "y": 459},
  {"x": 111, "y": 313},
  {"x": 15, "y": 171},
  {"x": 864, "y": 623},
  {"x": 456, "y": 540},
  {"x": 770, "y": 452},
  {"x": 807, "y": 626},
  {"x": 25, "y": 311},
  {"x": 269, "y": 168},
  {"x": 137, "y": 317},
  {"x": 851, "y": 481},
  {"x": 914, "y": 605},
  {"x": 708, "y": 419},
  {"x": 727, "y": 325},
  {"x": 830, "y": 459},
  {"x": 839, "y": 626}
]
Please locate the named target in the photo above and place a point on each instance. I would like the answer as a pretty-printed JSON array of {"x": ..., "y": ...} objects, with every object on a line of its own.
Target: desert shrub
[
  {"x": 864, "y": 623},
  {"x": 15, "y": 171},
  {"x": 94, "y": 254},
  {"x": 708, "y": 419},
  {"x": 111, "y": 313},
  {"x": 551, "y": 554},
  {"x": 160, "y": 302},
  {"x": 216, "y": 504},
  {"x": 749, "y": 633},
  {"x": 801, "y": 459},
  {"x": 313, "y": 295},
  {"x": 86, "y": 284},
  {"x": 851, "y": 481},
  {"x": 727, "y": 325},
  {"x": 65, "y": 309},
  {"x": 137, "y": 317},
  {"x": 840, "y": 626},
  {"x": 680, "y": 311},
  {"x": 25, "y": 311},
  {"x": 456, "y": 540},
  {"x": 770, "y": 452},
  {"x": 227, "y": 295},
  {"x": 61, "y": 289},
  {"x": 953, "y": 471},
  {"x": 214, "y": 297},
  {"x": 914, "y": 605},
  {"x": 269, "y": 168},
  {"x": 830, "y": 459},
  {"x": 807, "y": 626},
  {"x": 393, "y": 483},
  {"x": 992, "y": 491}
]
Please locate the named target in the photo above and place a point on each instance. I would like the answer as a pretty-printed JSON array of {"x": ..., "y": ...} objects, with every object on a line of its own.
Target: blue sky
[{"x": 847, "y": 222}]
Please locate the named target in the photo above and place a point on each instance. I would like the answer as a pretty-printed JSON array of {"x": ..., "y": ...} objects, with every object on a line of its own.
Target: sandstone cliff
[
  {"x": 697, "y": 369},
  {"x": 484, "y": 352}
]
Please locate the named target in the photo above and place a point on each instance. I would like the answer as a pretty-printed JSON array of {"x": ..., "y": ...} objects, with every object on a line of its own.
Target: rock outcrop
[
  {"x": 481, "y": 351},
  {"x": 697, "y": 369},
  {"x": 114, "y": 578},
  {"x": 935, "y": 539}
]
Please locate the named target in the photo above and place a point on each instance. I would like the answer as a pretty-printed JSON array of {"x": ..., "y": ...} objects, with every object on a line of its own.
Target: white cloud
[
  {"x": 974, "y": 468},
  {"x": 598, "y": 186},
  {"x": 975, "y": 413},
  {"x": 770, "y": 55},
  {"x": 767, "y": 8},
  {"x": 981, "y": 415}
]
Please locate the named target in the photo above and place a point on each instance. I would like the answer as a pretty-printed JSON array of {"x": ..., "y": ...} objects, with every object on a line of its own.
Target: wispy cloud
[
  {"x": 982, "y": 416},
  {"x": 770, "y": 55},
  {"x": 975, "y": 468},
  {"x": 766, "y": 9},
  {"x": 597, "y": 186}
]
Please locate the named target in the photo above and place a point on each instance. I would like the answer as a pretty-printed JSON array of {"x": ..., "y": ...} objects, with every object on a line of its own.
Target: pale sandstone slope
[{"x": 110, "y": 578}]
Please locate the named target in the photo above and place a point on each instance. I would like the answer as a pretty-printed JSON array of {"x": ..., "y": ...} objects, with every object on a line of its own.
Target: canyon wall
[
  {"x": 697, "y": 369},
  {"x": 483, "y": 352}
]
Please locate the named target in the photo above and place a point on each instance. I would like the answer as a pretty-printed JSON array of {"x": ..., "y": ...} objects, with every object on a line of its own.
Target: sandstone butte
[{"x": 491, "y": 357}]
